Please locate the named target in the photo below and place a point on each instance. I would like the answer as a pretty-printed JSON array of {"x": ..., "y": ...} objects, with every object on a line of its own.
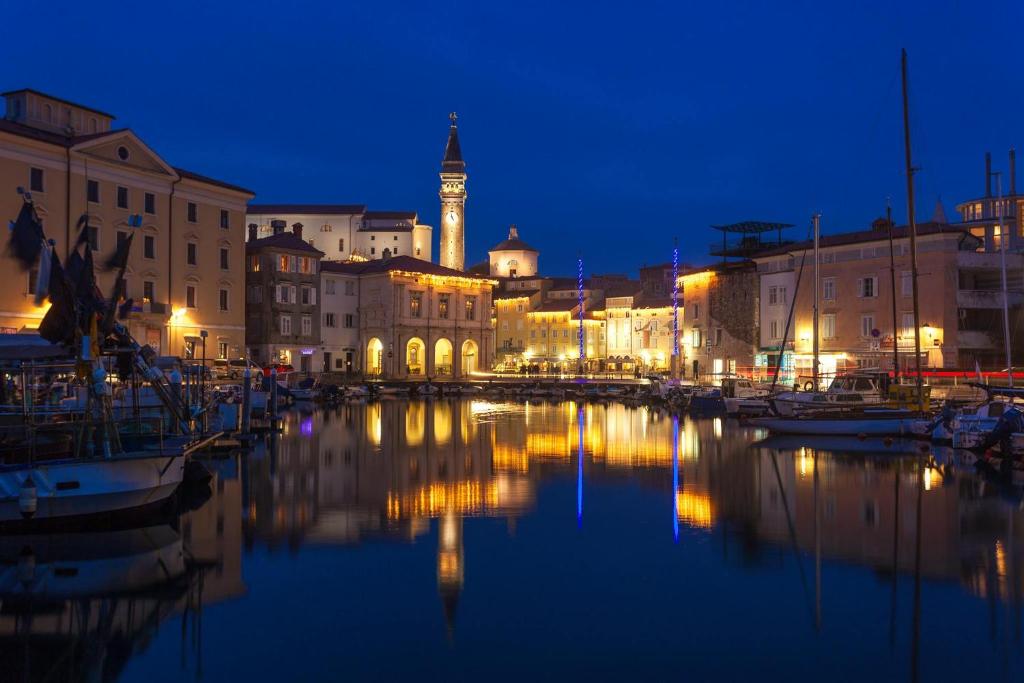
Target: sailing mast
[
  {"x": 816, "y": 219},
  {"x": 1004, "y": 236},
  {"x": 912, "y": 227},
  {"x": 892, "y": 278}
]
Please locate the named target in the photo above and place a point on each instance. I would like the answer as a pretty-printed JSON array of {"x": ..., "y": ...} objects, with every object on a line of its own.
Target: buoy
[{"x": 28, "y": 498}]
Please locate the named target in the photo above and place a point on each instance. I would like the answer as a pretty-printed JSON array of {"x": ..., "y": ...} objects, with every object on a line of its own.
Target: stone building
[
  {"x": 718, "y": 325},
  {"x": 339, "y": 302},
  {"x": 452, "y": 250},
  {"x": 185, "y": 272},
  {"x": 981, "y": 215},
  {"x": 513, "y": 257},
  {"x": 418, "y": 319},
  {"x": 283, "y": 308},
  {"x": 349, "y": 231}
]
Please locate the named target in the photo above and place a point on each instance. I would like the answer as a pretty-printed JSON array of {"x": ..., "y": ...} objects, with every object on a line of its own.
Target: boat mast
[
  {"x": 892, "y": 278},
  {"x": 816, "y": 219},
  {"x": 912, "y": 228},
  {"x": 1003, "y": 239}
]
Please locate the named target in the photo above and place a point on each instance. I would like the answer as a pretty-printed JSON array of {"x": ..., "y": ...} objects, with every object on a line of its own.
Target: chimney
[
  {"x": 513, "y": 232},
  {"x": 252, "y": 232},
  {"x": 1013, "y": 171},
  {"x": 297, "y": 229},
  {"x": 988, "y": 174},
  {"x": 278, "y": 226}
]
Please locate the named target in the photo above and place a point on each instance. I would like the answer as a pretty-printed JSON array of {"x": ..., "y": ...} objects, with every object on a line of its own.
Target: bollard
[
  {"x": 273, "y": 398},
  {"x": 246, "y": 400}
]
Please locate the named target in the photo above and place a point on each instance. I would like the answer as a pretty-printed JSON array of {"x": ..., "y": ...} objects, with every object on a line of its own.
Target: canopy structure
[{"x": 751, "y": 238}]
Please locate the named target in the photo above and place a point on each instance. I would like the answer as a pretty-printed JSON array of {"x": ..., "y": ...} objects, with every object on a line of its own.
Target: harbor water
[{"x": 483, "y": 540}]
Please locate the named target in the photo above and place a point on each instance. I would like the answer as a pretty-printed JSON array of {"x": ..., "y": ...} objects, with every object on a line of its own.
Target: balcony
[
  {"x": 986, "y": 298},
  {"x": 975, "y": 339}
]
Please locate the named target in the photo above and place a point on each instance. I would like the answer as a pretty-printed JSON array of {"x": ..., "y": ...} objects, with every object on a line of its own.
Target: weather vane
[{"x": 453, "y": 117}]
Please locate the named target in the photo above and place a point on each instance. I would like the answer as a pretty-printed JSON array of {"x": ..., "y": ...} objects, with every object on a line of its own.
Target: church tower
[{"x": 453, "y": 203}]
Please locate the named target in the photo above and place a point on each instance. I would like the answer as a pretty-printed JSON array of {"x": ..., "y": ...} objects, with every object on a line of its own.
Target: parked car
[{"x": 234, "y": 368}]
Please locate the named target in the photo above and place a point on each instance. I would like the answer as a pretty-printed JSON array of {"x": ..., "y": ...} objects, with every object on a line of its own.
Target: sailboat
[{"x": 842, "y": 409}]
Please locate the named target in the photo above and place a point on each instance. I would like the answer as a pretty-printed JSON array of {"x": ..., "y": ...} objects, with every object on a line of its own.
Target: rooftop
[
  {"x": 452, "y": 161},
  {"x": 33, "y": 91},
  {"x": 513, "y": 243},
  {"x": 284, "y": 240},
  {"x": 513, "y": 294},
  {"x": 861, "y": 236},
  {"x": 390, "y": 215},
  {"x": 752, "y": 226},
  {"x": 407, "y": 264},
  {"x": 308, "y": 209},
  {"x": 558, "y": 306}
]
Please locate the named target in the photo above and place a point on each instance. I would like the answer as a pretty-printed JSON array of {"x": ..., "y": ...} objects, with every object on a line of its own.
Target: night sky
[{"x": 607, "y": 128}]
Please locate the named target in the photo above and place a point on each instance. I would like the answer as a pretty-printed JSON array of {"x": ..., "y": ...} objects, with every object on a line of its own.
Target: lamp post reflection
[{"x": 579, "y": 468}]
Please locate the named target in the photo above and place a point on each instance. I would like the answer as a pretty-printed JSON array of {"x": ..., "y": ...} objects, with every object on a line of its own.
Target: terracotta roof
[
  {"x": 284, "y": 240},
  {"x": 629, "y": 288},
  {"x": 59, "y": 99},
  {"x": 650, "y": 301},
  {"x": 513, "y": 245},
  {"x": 405, "y": 263},
  {"x": 558, "y": 306},
  {"x": 191, "y": 175},
  {"x": 513, "y": 294},
  {"x": 311, "y": 209},
  {"x": 385, "y": 228},
  {"x": 844, "y": 238}
]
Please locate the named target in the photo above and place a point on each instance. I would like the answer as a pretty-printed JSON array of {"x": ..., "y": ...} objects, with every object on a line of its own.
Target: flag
[
  {"x": 83, "y": 230},
  {"x": 43, "y": 275},
  {"x": 58, "y": 325},
  {"x": 125, "y": 309},
  {"x": 27, "y": 237},
  {"x": 119, "y": 260}
]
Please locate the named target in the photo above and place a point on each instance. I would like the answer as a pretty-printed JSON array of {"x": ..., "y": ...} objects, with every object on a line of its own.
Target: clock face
[{"x": 452, "y": 217}]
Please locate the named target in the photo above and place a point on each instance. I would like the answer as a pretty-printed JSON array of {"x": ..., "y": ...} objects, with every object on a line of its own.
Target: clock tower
[{"x": 453, "y": 202}]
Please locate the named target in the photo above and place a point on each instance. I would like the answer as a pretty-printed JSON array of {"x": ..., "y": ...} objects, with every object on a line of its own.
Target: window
[
  {"x": 223, "y": 299},
  {"x": 256, "y": 294},
  {"x": 350, "y": 320},
  {"x": 92, "y": 191},
  {"x": 773, "y": 330},
  {"x": 373, "y": 238},
  {"x": 285, "y": 324},
  {"x": 329, "y": 320},
  {"x": 329, "y": 287},
  {"x": 908, "y": 325},
  {"x": 718, "y": 336},
  {"x": 696, "y": 311},
  {"x": 341, "y": 244},
  {"x": 254, "y": 263},
  {"x": 350, "y": 287},
  {"x": 307, "y": 326},
  {"x": 122, "y": 197},
  {"x": 190, "y": 296},
  {"x": 470, "y": 308},
  {"x": 867, "y": 323},
  {"x": 193, "y": 212},
  {"x": 148, "y": 289},
  {"x": 417, "y": 251},
  {"x": 191, "y": 253},
  {"x": 225, "y": 219},
  {"x": 304, "y": 265},
  {"x": 828, "y": 326},
  {"x": 442, "y": 306},
  {"x": 782, "y": 295},
  {"x": 543, "y": 334},
  {"x": 222, "y": 349},
  {"x": 828, "y": 289},
  {"x": 373, "y": 250},
  {"x": 907, "y": 283},
  {"x": 149, "y": 246},
  {"x": 223, "y": 258},
  {"x": 695, "y": 338},
  {"x": 35, "y": 180},
  {"x": 415, "y": 304},
  {"x": 149, "y": 203},
  {"x": 773, "y": 296},
  {"x": 309, "y": 296},
  {"x": 326, "y": 227},
  {"x": 867, "y": 287}
]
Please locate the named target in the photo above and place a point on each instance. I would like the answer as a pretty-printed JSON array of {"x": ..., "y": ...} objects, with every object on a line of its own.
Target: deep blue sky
[{"x": 603, "y": 127}]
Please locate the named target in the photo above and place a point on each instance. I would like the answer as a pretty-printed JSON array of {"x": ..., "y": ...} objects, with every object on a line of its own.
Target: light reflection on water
[{"x": 808, "y": 554}]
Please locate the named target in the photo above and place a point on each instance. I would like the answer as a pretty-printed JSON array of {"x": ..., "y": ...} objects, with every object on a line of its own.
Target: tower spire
[{"x": 453, "y": 200}]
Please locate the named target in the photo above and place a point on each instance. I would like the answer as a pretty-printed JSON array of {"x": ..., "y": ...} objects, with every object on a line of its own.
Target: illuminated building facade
[
  {"x": 981, "y": 215},
  {"x": 185, "y": 271},
  {"x": 513, "y": 257},
  {"x": 960, "y": 301},
  {"x": 718, "y": 324},
  {"x": 452, "y": 251},
  {"x": 283, "y": 302},
  {"x": 418, "y": 319},
  {"x": 349, "y": 231},
  {"x": 339, "y": 324}
]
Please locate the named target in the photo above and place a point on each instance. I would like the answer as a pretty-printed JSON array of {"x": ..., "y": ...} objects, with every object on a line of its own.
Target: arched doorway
[
  {"x": 415, "y": 356},
  {"x": 443, "y": 357},
  {"x": 375, "y": 358},
  {"x": 469, "y": 357}
]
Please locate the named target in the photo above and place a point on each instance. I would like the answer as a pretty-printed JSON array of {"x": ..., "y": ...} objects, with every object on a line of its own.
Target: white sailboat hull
[
  {"x": 838, "y": 427},
  {"x": 79, "y": 487}
]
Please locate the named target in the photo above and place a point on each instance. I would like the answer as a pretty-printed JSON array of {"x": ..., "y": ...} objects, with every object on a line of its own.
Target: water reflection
[{"x": 776, "y": 516}]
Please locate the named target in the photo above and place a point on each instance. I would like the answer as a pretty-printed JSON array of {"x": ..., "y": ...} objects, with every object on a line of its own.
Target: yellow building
[
  {"x": 511, "y": 330},
  {"x": 186, "y": 271}
]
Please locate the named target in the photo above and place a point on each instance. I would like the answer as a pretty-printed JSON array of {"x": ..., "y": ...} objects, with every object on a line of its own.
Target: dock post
[
  {"x": 273, "y": 399},
  {"x": 246, "y": 401}
]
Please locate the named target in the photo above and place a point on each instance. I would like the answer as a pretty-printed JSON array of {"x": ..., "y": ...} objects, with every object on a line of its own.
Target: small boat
[
  {"x": 357, "y": 391},
  {"x": 869, "y": 422},
  {"x": 842, "y": 444},
  {"x": 707, "y": 400},
  {"x": 427, "y": 389},
  {"x": 741, "y": 397}
]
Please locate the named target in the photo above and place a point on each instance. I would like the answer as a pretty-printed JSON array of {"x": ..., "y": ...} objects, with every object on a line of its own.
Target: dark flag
[
  {"x": 83, "y": 231},
  {"x": 125, "y": 309},
  {"x": 58, "y": 325},
  {"x": 119, "y": 260},
  {"x": 27, "y": 237}
]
